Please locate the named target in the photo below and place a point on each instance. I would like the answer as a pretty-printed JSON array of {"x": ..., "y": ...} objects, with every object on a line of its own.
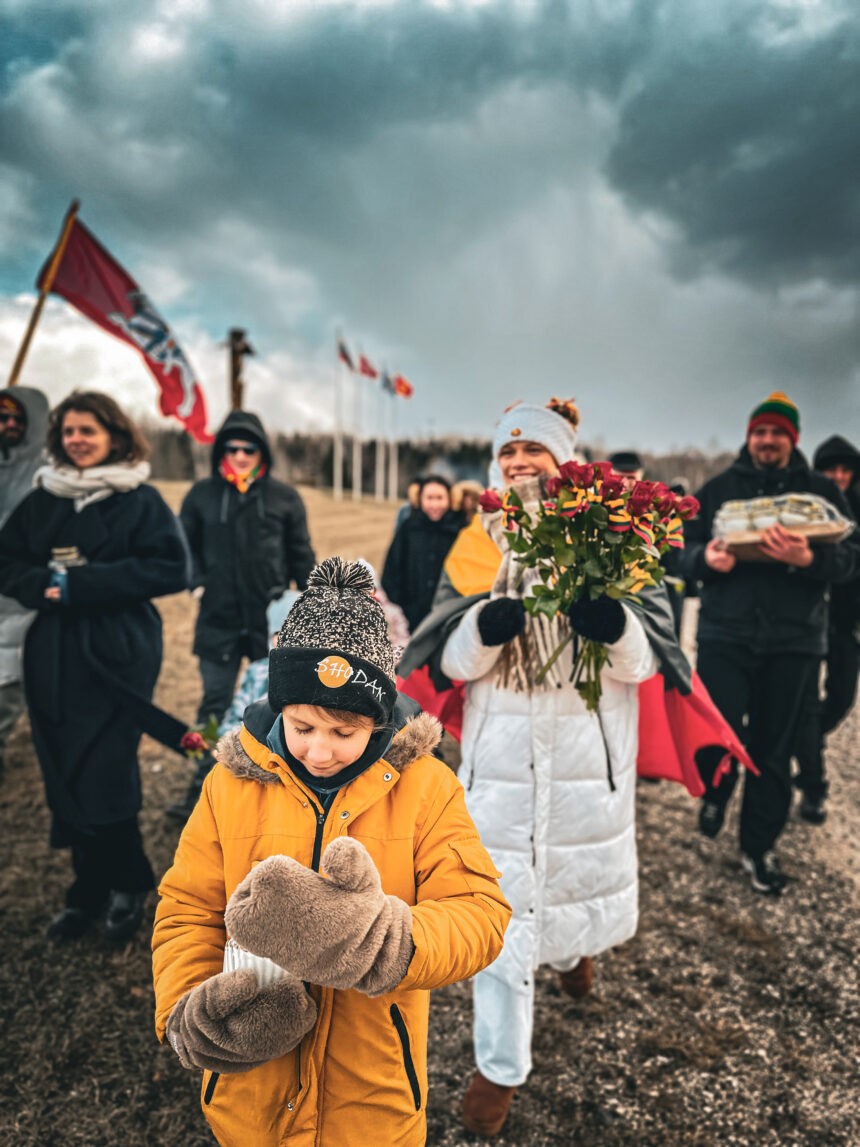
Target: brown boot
[
  {"x": 579, "y": 980},
  {"x": 485, "y": 1105}
]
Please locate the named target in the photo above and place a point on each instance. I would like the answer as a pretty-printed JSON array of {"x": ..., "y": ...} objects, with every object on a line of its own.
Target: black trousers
[
  {"x": 821, "y": 717},
  {"x": 106, "y": 858},
  {"x": 762, "y": 699},
  {"x": 219, "y": 682}
]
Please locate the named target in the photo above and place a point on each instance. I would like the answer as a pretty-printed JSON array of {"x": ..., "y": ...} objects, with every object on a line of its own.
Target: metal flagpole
[
  {"x": 47, "y": 283},
  {"x": 356, "y": 441},
  {"x": 337, "y": 444},
  {"x": 380, "y": 441},
  {"x": 392, "y": 452}
]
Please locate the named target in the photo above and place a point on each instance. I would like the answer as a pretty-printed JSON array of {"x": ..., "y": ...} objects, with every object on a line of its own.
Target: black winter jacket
[
  {"x": 246, "y": 548},
  {"x": 845, "y": 598},
  {"x": 415, "y": 559},
  {"x": 768, "y": 607},
  {"x": 108, "y": 632}
]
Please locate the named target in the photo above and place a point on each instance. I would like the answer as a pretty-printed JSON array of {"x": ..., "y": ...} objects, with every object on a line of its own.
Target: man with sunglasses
[
  {"x": 23, "y": 426},
  {"x": 249, "y": 540}
]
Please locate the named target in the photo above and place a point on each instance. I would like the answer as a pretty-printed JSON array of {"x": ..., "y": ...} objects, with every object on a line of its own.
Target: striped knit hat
[
  {"x": 777, "y": 410},
  {"x": 333, "y": 648}
]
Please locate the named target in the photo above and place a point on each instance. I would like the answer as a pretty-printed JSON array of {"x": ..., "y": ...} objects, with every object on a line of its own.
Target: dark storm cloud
[
  {"x": 745, "y": 135},
  {"x": 494, "y": 195}
]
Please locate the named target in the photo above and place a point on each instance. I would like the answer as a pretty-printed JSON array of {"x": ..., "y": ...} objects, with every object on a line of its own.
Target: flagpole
[
  {"x": 337, "y": 446},
  {"x": 392, "y": 452},
  {"x": 356, "y": 442},
  {"x": 380, "y": 442},
  {"x": 47, "y": 283}
]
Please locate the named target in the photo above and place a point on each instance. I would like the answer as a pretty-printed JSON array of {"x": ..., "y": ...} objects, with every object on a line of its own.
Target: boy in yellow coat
[{"x": 339, "y": 857}]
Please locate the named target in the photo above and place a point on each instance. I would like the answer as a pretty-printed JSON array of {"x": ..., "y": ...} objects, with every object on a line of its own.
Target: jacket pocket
[
  {"x": 209, "y": 1087},
  {"x": 475, "y": 859},
  {"x": 403, "y": 1036}
]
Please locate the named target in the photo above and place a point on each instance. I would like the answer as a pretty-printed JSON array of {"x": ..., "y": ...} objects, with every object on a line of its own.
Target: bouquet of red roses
[{"x": 595, "y": 534}]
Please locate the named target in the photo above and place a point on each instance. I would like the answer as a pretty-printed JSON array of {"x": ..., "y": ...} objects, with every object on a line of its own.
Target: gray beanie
[{"x": 333, "y": 649}]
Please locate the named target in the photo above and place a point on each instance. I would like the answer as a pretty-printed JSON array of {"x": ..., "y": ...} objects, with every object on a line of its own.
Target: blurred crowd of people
[{"x": 86, "y": 544}]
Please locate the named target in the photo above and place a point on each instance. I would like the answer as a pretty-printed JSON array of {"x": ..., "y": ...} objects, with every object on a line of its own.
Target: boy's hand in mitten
[
  {"x": 229, "y": 1024},
  {"x": 600, "y": 620},
  {"x": 501, "y": 620},
  {"x": 339, "y": 930}
]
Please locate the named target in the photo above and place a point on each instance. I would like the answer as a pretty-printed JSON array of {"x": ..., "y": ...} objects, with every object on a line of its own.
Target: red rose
[
  {"x": 490, "y": 502},
  {"x": 579, "y": 476},
  {"x": 664, "y": 500},
  {"x": 604, "y": 469},
  {"x": 641, "y": 498},
  {"x": 553, "y": 485},
  {"x": 613, "y": 487},
  {"x": 192, "y": 742},
  {"x": 688, "y": 507}
]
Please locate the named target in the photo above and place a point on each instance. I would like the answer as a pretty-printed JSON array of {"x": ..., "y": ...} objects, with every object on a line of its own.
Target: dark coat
[
  {"x": 109, "y": 631},
  {"x": 768, "y": 607},
  {"x": 246, "y": 549},
  {"x": 415, "y": 559},
  {"x": 845, "y": 598}
]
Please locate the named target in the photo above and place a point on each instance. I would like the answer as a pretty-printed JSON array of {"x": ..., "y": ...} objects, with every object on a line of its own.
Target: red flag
[
  {"x": 344, "y": 355},
  {"x": 365, "y": 366},
  {"x": 403, "y": 387},
  {"x": 93, "y": 282}
]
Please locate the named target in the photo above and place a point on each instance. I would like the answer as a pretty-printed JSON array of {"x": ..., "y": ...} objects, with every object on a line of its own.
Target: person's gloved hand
[
  {"x": 229, "y": 1024},
  {"x": 501, "y": 620},
  {"x": 339, "y": 930},
  {"x": 600, "y": 620}
]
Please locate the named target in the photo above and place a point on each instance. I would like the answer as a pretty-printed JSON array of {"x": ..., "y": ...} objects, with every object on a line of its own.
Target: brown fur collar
[{"x": 418, "y": 737}]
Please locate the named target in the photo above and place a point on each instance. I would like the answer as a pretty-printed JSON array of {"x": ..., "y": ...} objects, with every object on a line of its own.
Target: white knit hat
[{"x": 526, "y": 422}]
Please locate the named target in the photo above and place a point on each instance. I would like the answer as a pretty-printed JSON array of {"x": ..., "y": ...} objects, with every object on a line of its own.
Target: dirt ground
[{"x": 728, "y": 1019}]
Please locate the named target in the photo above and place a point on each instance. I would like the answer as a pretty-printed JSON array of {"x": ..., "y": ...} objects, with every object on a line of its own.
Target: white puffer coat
[{"x": 537, "y": 785}]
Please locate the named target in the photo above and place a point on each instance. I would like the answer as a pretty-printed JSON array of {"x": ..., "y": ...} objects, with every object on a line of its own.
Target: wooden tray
[{"x": 744, "y": 543}]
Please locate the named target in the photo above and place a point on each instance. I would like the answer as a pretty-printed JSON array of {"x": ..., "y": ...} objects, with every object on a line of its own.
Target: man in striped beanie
[{"x": 762, "y": 630}]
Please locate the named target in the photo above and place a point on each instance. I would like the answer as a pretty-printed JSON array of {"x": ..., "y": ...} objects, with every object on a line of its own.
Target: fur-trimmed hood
[{"x": 417, "y": 734}]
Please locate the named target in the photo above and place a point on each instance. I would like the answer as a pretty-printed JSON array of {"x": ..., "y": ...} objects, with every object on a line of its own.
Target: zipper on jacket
[
  {"x": 318, "y": 836},
  {"x": 411, "y": 1073},
  {"x": 609, "y": 776},
  {"x": 210, "y": 1087}
]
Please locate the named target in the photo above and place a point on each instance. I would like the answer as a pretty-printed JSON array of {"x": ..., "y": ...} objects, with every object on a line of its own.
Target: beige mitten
[
  {"x": 229, "y": 1024},
  {"x": 338, "y": 929}
]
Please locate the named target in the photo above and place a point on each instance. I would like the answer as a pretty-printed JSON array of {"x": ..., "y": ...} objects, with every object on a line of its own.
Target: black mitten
[
  {"x": 600, "y": 620},
  {"x": 501, "y": 620}
]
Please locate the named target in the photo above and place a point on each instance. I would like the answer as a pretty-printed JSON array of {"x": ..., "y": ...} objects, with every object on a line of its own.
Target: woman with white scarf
[
  {"x": 549, "y": 785},
  {"x": 88, "y": 548}
]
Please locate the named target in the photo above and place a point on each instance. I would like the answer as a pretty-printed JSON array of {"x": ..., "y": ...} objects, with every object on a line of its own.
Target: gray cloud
[{"x": 622, "y": 200}]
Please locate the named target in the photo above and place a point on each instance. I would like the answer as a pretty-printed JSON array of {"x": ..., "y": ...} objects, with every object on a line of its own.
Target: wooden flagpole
[{"x": 48, "y": 282}]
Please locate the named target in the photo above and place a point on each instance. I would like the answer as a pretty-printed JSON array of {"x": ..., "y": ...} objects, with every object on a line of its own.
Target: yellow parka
[{"x": 359, "y": 1076}]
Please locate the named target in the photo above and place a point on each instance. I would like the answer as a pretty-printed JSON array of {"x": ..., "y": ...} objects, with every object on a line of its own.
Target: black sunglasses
[
  {"x": 240, "y": 448},
  {"x": 7, "y": 417}
]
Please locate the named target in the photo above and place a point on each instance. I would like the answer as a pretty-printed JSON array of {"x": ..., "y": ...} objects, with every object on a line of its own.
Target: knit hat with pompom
[
  {"x": 333, "y": 649},
  {"x": 553, "y": 426},
  {"x": 777, "y": 410}
]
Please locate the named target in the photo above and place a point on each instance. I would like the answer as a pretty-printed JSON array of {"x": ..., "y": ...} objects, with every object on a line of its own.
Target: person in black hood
[
  {"x": 762, "y": 630},
  {"x": 417, "y": 553},
  {"x": 249, "y": 540},
  {"x": 839, "y": 461}
]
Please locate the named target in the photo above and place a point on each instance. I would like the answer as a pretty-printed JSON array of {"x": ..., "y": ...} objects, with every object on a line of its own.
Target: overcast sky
[{"x": 653, "y": 207}]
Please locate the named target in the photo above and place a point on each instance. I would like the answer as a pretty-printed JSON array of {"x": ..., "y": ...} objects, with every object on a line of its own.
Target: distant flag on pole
[
  {"x": 94, "y": 283},
  {"x": 388, "y": 383},
  {"x": 366, "y": 367},
  {"x": 403, "y": 386},
  {"x": 344, "y": 355}
]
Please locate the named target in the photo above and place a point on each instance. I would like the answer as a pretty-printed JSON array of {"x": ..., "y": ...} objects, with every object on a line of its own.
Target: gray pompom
[{"x": 337, "y": 573}]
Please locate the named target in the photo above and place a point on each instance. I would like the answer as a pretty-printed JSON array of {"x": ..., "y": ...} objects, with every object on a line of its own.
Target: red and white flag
[
  {"x": 365, "y": 366},
  {"x": 92, "y": 281}
]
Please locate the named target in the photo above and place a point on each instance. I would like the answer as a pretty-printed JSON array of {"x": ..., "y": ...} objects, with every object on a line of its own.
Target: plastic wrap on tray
[{"x": 741, "y": 524}]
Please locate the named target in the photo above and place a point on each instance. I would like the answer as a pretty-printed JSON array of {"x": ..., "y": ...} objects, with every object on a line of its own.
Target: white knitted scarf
[{"x": 93, "y": 484}]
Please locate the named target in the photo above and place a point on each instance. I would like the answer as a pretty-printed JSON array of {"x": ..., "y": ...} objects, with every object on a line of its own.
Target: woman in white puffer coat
[{"x": 550, "y": 786}]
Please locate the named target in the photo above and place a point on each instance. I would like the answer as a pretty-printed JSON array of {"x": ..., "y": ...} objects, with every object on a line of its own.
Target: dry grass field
[{"x": 728, "y": 1019}]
